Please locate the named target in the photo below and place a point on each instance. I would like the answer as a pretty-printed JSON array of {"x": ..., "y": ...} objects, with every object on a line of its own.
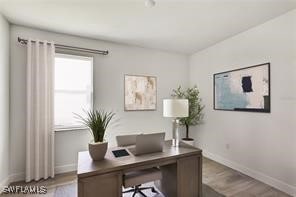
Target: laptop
[
  {"x": 126, "y": 140},
  {"x": 149, "y": 143}
]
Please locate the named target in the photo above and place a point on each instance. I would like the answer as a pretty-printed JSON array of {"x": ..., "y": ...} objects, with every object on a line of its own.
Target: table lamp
[{"x": 175, "y": 108}]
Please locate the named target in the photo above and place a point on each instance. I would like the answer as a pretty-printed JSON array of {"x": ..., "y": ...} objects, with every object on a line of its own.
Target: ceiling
[{"x": 184, "y": 26}]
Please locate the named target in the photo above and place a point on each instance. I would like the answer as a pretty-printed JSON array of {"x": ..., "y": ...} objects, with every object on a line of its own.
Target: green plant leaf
[
  {"x": 195, "y": 104},
  {"x": 97, "y": 121}
]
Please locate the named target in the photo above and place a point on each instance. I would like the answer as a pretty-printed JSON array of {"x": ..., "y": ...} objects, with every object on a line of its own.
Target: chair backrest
[
  {"x": 126, "y": 140},
  {"x": 149, "y": 143}
]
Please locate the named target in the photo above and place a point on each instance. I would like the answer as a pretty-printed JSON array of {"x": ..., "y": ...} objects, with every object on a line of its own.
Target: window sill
[{"x": 70, "y": 129}]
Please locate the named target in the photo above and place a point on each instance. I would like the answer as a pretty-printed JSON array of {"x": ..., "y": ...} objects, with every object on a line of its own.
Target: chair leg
[
  {"x": 140, "y": 192},
  {"x": 154, "y": 190},
  {"x": 144, "y": 188},
  {"x": 138, "y": 189},
  {"x": 130, "y": 190}
]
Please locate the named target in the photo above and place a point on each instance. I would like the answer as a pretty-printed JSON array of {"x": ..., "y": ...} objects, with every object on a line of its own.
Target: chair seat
[{"x": 141, "y": 176}]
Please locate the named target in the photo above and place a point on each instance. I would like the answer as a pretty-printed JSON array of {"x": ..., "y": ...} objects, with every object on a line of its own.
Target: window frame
[{"x": 79, "y": 57}]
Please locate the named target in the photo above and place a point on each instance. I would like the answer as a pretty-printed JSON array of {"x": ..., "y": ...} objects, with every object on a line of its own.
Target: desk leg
[
  {"x": 101, "y": 185},
  {"x": 189, "y": 175}
]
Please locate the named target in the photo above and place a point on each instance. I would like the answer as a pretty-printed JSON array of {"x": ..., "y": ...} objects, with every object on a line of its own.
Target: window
[{"x": 73, "y": 89}]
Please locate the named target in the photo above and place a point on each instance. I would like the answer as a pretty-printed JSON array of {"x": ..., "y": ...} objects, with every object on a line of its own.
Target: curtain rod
[{"x": 66, "y": 47}]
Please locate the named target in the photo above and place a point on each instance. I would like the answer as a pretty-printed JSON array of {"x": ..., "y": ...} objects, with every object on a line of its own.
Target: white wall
[
  {"x": 4, "y": 101},
  {"x": 171, "y": 69},
  {"x": 261, "y": 145}
]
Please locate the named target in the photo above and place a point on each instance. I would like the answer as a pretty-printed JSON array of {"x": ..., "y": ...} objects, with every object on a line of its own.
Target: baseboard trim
[
  {"x": 65, "y": 168},
  {"x": 21, "y": 176},
  {"x": 280, "y": 185},
  {"x": 16, "y": 177},
  {"x": 4, "y": 183}
]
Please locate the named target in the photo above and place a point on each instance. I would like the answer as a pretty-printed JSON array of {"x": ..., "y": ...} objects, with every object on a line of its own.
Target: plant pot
[
  {"x": 188, "y": 141},
  {"x": 97, "y": 150}
]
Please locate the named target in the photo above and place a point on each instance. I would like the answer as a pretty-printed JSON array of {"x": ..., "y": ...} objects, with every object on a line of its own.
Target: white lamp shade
[{"x": 175, "y": 108}]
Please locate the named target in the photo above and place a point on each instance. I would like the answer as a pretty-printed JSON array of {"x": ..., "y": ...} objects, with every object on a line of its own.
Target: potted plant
[
  {"x": 97, "y": 121},
  {"x": 195, "y": 109}
]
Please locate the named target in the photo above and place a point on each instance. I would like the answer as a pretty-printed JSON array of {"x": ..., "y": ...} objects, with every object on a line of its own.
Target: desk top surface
[{"x": 88, "y": 167}]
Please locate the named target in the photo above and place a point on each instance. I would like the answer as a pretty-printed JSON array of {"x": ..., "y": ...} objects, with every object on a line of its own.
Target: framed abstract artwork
[
  {"x": 245, "y": 89},
  {"x": 139, "y": 93}
]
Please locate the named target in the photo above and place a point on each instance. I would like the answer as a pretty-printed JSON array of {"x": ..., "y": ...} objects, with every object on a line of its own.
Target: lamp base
[
  {"x": 176, "y": 140},
  {"x": 175, "y": 143}
]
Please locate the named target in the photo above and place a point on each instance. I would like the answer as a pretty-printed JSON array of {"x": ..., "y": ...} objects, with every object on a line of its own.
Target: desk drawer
[
  {"x": 101, "y": 185},
  {"x": 150, "y": 165}
]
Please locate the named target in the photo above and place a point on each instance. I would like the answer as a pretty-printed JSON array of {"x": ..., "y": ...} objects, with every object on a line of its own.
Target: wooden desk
[{"x": 181, "y": 168}]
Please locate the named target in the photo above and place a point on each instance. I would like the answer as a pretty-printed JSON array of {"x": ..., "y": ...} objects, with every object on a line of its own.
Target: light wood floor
[
  {"x": 221, "y": 178},
  {"x": 235, "y": 184}
]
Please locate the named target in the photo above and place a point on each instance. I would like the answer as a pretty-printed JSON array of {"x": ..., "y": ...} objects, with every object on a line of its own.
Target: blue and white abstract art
[{"x": 246, "y": 89}]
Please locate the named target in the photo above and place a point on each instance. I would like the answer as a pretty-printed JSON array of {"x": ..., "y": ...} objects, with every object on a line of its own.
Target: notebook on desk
[{"x": 120, "y": 153}]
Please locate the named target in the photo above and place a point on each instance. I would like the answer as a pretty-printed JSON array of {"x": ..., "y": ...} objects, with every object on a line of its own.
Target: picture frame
[
  {"x": 244, "y": 89},
  {"x": 140, "y": 93}
]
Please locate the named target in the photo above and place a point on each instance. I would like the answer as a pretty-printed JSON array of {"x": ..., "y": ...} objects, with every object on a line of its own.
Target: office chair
[{"x": 136, "y": 178}]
